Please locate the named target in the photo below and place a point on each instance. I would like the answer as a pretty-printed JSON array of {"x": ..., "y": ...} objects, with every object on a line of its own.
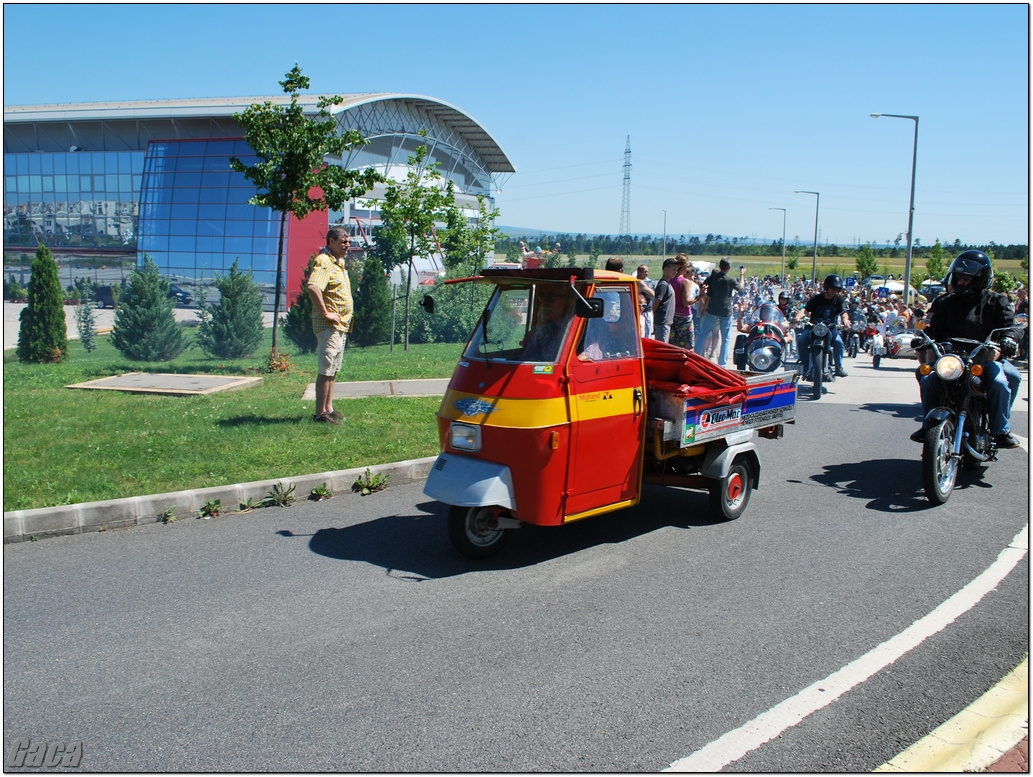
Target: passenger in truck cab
[{"x": 613, "y": 336}]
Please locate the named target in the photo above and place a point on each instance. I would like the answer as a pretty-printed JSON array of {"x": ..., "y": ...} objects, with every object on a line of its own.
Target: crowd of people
[{"x": 702, "y": 311}]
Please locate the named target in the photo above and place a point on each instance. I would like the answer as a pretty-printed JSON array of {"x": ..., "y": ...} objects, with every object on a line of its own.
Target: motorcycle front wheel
[
  {"x": 939, "y": 465},
  {"x": 817, "y": 375},
  {"x": 854, "y": 344},
  {"x": 876, "y": 360}
]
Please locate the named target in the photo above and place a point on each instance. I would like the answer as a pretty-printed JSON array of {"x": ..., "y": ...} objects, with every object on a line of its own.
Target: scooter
[{"x": 558, "y": 411}]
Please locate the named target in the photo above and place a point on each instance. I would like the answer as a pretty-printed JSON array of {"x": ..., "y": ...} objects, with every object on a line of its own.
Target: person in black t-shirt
[{"x": 829, "y": 308}]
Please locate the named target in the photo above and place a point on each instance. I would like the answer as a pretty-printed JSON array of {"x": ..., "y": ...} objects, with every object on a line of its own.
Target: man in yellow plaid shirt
[{"x": 332, "y": 316}]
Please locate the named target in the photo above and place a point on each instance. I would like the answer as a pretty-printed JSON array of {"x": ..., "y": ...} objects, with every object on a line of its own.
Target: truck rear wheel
[
  {"x": 730, "y": 495},
  {"x": 474, "y": 531}
]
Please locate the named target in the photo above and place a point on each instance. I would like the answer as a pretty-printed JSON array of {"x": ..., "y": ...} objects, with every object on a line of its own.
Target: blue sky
[{"x": 730, "y": 108}]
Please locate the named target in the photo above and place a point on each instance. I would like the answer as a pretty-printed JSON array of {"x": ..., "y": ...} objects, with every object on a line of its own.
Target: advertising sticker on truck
[{"x": 702, "y": 424}]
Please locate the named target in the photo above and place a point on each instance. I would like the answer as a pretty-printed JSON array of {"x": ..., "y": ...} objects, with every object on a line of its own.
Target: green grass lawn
[{"x": 63, "y": 446}]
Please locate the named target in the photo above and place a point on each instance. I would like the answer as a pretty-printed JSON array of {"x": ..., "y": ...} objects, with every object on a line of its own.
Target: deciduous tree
[
  {"x": 411, "y": 209},
  {"x": 292, "y": 174}
]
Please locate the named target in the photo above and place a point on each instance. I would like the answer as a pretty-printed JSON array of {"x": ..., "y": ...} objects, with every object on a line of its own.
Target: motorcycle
[
  {"x": 957, "y": 431},
  {"x": 896, "y": 343},
  {"x": 822, "y": 359},
  {"x": 763, "y": 348},
  {"x": 868, "y": 337},
  {"x": 852, "y": 337}
]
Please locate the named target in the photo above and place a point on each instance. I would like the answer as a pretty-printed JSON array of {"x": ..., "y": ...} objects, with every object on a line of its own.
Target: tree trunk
[{"x": 279, "y": 282}]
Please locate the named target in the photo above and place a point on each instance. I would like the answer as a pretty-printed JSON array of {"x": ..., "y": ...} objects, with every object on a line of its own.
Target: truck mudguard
[{"x": 465, "y": 482}]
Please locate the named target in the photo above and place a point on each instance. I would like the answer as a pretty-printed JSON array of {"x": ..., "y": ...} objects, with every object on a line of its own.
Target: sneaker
[
  {"x": 1007, "y": 440},
  {"x": 326, "y": 419},
  {"x": 918, "y": 436},
  {"x": 841, "y": 373}
]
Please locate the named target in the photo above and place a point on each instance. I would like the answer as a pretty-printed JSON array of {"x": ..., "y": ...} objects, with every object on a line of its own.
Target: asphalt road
[{"x": 347, "y": 635}]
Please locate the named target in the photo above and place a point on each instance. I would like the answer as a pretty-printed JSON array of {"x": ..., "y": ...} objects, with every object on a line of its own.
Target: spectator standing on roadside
[
  {"x": 685, "y": 293},
  {"x": 663, "y": 302},
  {"x": 645, "y": 300},
  {"x": 1022, "y": 309},
  {"x": 330, "y": 290},
  {"x": 718, "y": 289}
]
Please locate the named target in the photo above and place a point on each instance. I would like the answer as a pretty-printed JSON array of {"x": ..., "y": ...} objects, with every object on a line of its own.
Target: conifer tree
[
  {"x": 145, "y": 327},
  {"x": 233, "y": 328},
  {"x": 297, "y": 324},
  {"x": 43, "y": 335},
  {"x": 372, "y": 305},
  {"x": 84, "y": 317}
]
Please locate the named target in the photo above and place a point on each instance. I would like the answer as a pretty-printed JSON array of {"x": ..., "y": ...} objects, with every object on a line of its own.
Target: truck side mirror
[
  {"x": 588, "y": 308},
  {"x": 427, "y": 303}
]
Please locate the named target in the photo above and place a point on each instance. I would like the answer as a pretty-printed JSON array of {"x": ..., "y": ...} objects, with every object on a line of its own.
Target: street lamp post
[
  {"x": 911, "y": 211},
  {"x": 665, "y": 236},
  {"x": 783, "y": 276},
  {"x": 814, "y": 264}
]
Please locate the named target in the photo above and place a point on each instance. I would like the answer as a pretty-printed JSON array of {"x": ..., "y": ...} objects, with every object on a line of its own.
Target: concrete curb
[
  {"x": 23, "y": 525},
  {"x": 977, "y": 736}
]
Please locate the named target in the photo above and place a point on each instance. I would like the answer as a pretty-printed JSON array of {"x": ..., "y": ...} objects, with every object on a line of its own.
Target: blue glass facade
[
  {"x": 74, "y": 199},
  {"x": 195, "y": 220}
]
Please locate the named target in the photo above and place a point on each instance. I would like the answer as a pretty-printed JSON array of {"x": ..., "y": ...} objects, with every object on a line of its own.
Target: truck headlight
[{"x": 464, "y": 437}]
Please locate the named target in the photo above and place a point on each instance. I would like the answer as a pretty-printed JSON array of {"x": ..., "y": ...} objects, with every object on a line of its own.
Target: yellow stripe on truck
[
  {"x": 592, "y": 405},
  {"x": 503, "y": 412}
]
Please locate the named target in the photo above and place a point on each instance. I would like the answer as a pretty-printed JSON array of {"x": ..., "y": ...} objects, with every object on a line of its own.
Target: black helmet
[
  {"x": 783, "y": 296},
  {"x": 834, "y": 282},
  {"x": 975, "y": 264}
]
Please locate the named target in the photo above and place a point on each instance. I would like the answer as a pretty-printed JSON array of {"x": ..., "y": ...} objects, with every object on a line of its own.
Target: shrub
[
  {"x": 43, "y": 335},
  {"x": 372, "y": 305},
  {"x": 297, "y": 324},
  {"x": 233, "y": 328},
  {"x": 145, "y": 327}
]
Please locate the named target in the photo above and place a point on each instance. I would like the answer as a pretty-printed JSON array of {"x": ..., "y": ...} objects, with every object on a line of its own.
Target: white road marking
[{"x": 735, "y": 744}]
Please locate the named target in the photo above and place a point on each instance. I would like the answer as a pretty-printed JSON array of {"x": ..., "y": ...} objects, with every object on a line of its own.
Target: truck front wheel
[
  {"x": 730, "y": 495},
  {"x": 474, "y": 530}
]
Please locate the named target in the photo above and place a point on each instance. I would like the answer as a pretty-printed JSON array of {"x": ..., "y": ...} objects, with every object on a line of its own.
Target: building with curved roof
[{"x": 102, "y": 184}]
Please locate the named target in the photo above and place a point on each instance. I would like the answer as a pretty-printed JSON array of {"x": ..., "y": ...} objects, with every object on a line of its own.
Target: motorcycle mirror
[{"x": 427, "y": 303}]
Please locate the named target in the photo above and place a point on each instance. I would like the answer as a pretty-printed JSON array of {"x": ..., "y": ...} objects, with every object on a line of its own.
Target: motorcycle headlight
[
  {"x": 949, "y": 367},
  {"x": 820, "y": 330},
  {"x": 763, "y": 359},
  {"x": 464, "y": 437}
]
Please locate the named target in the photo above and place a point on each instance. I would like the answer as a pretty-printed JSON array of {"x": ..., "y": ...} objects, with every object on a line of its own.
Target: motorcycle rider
[
  {"x": 971, "y": 311},
  {"x": 830, "y": 308}
]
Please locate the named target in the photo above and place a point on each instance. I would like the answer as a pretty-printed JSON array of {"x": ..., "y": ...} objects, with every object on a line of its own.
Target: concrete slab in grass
[{"x": 169, "y": 384}]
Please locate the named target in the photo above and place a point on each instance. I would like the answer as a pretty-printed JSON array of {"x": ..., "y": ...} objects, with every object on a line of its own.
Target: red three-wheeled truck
[{"x": 558, "y": 410}]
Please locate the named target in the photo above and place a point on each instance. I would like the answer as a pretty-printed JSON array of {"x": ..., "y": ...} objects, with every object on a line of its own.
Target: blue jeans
[
  {"x": 706, "y": 326},
  {"x": 1014, "y": 380},
  {"x": 998, "y": 395},
  {"x": 803, "y": 348}
]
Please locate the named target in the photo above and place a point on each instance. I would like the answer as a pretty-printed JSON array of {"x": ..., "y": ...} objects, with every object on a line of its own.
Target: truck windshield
[{"x": 525, "y": 324}]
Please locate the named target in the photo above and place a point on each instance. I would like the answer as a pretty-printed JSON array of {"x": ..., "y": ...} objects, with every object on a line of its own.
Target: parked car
[
  {"x": 181, "y": 295},
  {"x": 103, "y": 297}
]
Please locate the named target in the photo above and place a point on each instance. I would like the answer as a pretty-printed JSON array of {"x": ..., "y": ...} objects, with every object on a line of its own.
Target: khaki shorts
[{"x": 330, "y": 350}]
